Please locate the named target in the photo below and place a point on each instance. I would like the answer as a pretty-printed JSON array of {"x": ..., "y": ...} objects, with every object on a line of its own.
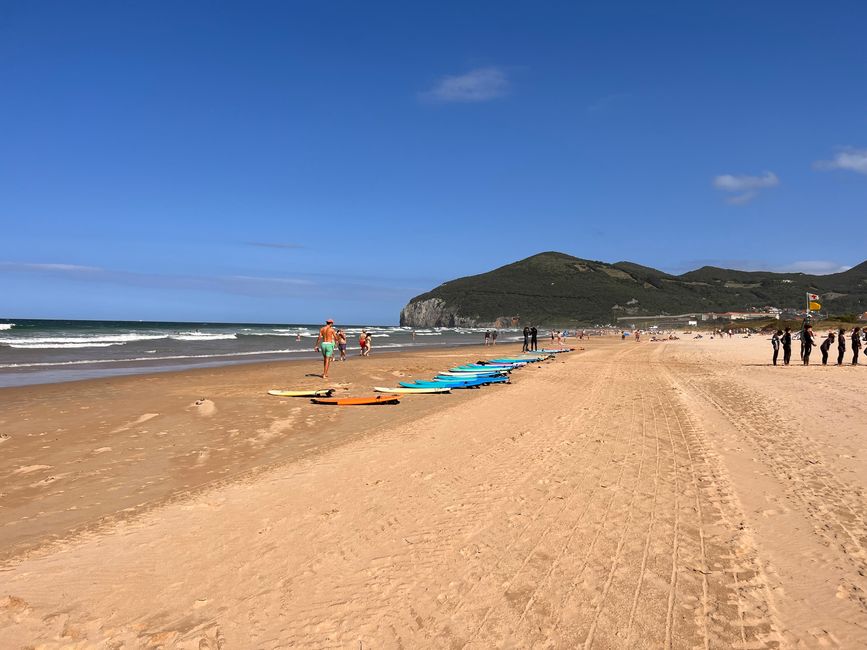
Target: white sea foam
[
  {"x": 22, "y": 345},
  {"x": 45, "y": 364},
  {"x": 202, "y": 336},
  {"x": 6, "y": 326},
  {"x": 61, "y": 342}
]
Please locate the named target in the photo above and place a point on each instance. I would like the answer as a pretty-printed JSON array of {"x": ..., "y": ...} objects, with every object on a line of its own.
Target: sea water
[{"x": 46, "y": 351}]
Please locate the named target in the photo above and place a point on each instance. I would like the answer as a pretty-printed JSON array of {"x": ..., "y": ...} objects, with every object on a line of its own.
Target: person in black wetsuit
[
  {"x": 526, "y": 339},
  {"x": 808, "y": 340},
  {"x": 534, "y": 338},
  {"x": 787, "y": 346},
  {"x": 775, "y": 343},
  {"x": 826, "y": 345},
  {"x": 856, "y": 345},
  {"x": 841, "y": 346}
]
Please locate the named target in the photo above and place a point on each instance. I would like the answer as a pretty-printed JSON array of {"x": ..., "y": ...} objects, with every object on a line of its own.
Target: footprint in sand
[
  {"x": 4, "y": 437},
  {"x": 141, "y": 419},
  {"x": 26, "y": 469},
  {"x": 101, "y": 450}
]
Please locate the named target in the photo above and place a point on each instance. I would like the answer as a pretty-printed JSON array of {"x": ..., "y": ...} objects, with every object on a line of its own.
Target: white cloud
[
  {"x": 811, "y": 267},
  {"x": 848, "y": 158},
  {"x": 744, "y": 188},
  {"x": 814, "y": 267},
  {"x": 477, "y": 85}
]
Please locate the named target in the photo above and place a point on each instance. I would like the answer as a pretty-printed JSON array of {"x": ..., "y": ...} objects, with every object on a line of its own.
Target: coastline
[{"x": 141, "y": 440}]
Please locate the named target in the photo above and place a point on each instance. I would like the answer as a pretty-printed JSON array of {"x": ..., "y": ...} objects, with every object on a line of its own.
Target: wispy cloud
[
  {"x": 477, "y": 85},
  {"x": 265, "y": 244},
  {"x": 63, "y": 268},
  {"x": 744, "y": 188},
  {"x": 606, "y": 102},
  {"x": 302, "y": 285},
  {"x": 267, "y": 280},
  {"x": 812, "y": 267},
  {"x": 848, "y": 158}
]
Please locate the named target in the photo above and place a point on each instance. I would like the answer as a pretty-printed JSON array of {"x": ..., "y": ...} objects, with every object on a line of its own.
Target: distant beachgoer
[
  {"x": 826, "y": 345},
  {"x": 534, "y": 338},
  {"x": 368, "y": 343},
  {"x": 487, "y": 337},
  {"x": 413, "y": 336},
  {"x": 341, "y": 344},
  {"x": 364, "y": 343},
  {"x": 775, "y": 343},
  {"x": 494, "y": 337},
  {"x": 841, "y": 345},
  {"x": 298, "y": 336},
  {"x": 637, "y": 336},
  {"x": 325, "y": 344},
  {"x": 787, "y": 346},
  {"x": 526, "y": 346},
  {"x": 808, "y": 340},
  {"x": 856, "y": 345}
]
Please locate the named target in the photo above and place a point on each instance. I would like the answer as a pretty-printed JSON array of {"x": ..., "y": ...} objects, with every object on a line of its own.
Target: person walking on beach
[
  {"x": 487, "y": 337},
  {"x": 526, "y": 347},
  {"x": 856, "y": 345},
  {"x": 841, "y": 346},
  {"x": 534, "y": 338},
  {"x": 494, "y": 337},
  {"x": 808, "y": 340},
  {"x": 325, "y": 344},
  {"x": 787, "y": 346},
  {"x": 341, "y": 344},
  {"x": 364, "y": 343},
  {"x": 826, "y": 345},
  {"x": 775, "y": 343}
]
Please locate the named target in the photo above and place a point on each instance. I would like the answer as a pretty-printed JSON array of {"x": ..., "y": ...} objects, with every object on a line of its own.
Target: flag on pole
[
  {"x": 812, "y": 296},
  {"x": 815, "y": 306}
]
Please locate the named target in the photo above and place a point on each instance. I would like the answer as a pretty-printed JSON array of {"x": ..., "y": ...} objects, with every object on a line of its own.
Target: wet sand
[{"x": 676, "y": 494}]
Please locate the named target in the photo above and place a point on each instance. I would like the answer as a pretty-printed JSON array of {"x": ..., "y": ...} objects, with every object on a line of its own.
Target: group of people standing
[
  {"x": 490, "y": 337},
  {"x": 531, "y": 339},
  {"x": 783, "y": 339},
  {"x": 331, "y": 337}
]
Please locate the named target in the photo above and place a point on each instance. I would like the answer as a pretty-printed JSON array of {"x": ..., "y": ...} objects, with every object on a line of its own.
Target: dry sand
[{"x": 678, "y": 494}]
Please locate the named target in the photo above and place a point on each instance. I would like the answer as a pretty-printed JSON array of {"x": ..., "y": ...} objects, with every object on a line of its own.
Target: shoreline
[
  {"x": 144, "y": 367},
  {"x": 117, "y": 436}
]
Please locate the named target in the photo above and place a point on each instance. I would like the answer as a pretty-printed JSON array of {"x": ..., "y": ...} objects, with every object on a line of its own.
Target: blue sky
[{"x": 284, "y": 161}]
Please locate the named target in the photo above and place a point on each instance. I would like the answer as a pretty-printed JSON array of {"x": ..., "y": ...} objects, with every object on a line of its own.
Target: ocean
[{"x": 48, "y": 351}]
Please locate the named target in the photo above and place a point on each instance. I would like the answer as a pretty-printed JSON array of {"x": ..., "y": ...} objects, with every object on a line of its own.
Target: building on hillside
[{"x": 740, "y": 315}]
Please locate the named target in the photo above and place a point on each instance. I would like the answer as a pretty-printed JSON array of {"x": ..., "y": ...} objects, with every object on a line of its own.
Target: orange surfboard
[{"x": 358, "y": 401}]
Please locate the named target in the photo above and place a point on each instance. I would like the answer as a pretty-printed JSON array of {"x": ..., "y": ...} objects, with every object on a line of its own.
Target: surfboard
[
  {"x": 326, "y": 392},
  {"x": 357, "y": 401},
  {"x": 413, "y": 391}
]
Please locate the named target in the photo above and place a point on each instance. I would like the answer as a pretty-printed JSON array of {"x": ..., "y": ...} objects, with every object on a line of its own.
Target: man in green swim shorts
[{"x": 325, "y": 344}]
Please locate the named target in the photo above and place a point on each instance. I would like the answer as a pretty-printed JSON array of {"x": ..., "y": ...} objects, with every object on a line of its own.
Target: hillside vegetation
[{"x": 555, "y": 288}]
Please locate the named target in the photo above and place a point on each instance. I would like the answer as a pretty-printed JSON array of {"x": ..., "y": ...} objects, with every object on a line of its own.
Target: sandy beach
[{"x": 628, "y": 495}]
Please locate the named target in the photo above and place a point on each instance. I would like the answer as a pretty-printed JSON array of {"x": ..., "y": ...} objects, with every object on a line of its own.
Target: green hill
[{"x": 557, "y": 289}]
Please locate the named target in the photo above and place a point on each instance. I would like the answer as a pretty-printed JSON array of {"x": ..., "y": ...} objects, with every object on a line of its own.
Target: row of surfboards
[{"x": 471, "y": 375}]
